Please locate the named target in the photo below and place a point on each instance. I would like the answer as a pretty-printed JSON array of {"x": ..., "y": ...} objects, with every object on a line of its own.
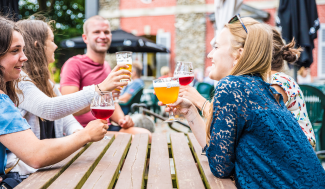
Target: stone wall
[
  {"x": 111, "y": 5},
  {"x": 190, "y": 2},
  {"x": 190, "y": 38}
]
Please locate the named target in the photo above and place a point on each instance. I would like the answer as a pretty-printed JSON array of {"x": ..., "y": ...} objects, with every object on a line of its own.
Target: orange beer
[
  {"x": 129, "y": 68},
  {"x": 166, "y": 90},
  {"x": 167, "y": 95}
]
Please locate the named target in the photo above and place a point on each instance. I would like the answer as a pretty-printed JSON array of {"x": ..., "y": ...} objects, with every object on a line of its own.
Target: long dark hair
[
  {"x": 37, "y": 65},
  {"x": 7, "y": 27}
]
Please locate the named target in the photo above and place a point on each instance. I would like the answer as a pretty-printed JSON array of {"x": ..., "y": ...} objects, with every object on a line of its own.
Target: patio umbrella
[
  {"x": 224, "y": 11},
  {"x": 121, "y": 41},
  {"x": 9, "y": 8},
  {"x": 299, "y": 19}
]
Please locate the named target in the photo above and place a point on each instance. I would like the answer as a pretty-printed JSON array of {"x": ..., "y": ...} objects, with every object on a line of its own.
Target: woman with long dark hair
[{"x": 15, "y": 133}]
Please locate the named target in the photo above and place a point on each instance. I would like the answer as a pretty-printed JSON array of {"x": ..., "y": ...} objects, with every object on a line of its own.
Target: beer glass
[
  {"x": 166, "y": 90},
  {"x": 184, "y": 71},
  {"x": 102, "y": 106},
  {"x": 122, "y": 58}
]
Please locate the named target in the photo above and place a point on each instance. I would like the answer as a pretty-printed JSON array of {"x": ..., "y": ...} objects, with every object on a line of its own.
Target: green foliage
[{"x": 69, "y": 16}]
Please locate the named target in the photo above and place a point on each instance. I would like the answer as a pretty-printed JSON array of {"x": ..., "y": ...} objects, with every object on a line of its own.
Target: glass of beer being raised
[
  {"x": 166, "y": 90},
  {"x": 122, "y": 58}
]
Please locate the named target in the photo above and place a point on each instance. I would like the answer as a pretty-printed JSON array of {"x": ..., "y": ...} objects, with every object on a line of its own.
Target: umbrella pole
[
  {"x": 145, "y": 68},
  {"x": 295, "y": 72}
]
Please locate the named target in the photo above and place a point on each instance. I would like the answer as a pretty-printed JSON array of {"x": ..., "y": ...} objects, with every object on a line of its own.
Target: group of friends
[{"x": 257, "y": 128}]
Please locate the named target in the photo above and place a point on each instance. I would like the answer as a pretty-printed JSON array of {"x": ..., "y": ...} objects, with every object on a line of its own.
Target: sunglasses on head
[{"x": 236, "y": 18}]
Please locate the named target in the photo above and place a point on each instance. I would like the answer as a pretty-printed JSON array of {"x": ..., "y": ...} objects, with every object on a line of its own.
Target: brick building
[{"x": 184, "y": 26}]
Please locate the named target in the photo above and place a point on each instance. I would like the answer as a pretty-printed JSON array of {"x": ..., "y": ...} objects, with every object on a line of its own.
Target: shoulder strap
[{"x": 10, "y": 168}]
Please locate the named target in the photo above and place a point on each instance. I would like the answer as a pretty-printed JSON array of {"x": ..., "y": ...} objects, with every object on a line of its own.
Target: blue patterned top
[
  {"x": 10, "y": 122},
  {"x": 257, "y": 140}
]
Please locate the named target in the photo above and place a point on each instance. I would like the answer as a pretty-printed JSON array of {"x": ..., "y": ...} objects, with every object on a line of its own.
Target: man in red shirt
[{"x": 91, "y": 68}]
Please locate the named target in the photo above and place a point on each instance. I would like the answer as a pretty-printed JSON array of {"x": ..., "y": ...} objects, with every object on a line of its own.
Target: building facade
[{"x": 186, "y": 28}]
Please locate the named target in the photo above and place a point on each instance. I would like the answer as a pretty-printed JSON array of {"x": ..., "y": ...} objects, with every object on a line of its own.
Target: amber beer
[
  {"x": 166, "y": 89},
  {"x": 167, "y": 95},
  {"x": 124, "y": 58}
]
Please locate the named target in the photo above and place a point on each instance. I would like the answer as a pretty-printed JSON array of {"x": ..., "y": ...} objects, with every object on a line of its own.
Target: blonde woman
[{"x": 250, "y": 133}]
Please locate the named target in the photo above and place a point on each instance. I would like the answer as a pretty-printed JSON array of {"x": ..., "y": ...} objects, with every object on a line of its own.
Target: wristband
[
  {"x": 100, "y": 90},
  {"x": 202, "y": 110}
]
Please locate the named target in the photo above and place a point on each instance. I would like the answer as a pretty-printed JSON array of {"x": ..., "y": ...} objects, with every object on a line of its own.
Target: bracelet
[
  {"x": 100, "y": 90},
  {"x": 202, "y": 110}
]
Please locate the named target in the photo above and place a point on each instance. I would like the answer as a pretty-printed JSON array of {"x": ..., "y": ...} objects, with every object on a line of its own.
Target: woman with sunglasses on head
[
  {"x": 250, "y": 133},
  {"x": 15, "y": 133},
  {"x": 284, "y": 84}
]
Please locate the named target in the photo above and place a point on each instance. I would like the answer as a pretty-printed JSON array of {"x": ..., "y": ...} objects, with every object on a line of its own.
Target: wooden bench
[{"x": 119, "y": 163}]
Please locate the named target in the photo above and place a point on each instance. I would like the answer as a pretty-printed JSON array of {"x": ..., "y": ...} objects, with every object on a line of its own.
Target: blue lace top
[
  {"x": 10, "y": 122},
  {"x": 257, "y": 140}
]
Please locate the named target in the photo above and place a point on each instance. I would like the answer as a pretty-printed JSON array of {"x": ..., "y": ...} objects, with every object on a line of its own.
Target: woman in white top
[
  {"x": 287, "y": 86},
  {"x": 48, "y": 112}
]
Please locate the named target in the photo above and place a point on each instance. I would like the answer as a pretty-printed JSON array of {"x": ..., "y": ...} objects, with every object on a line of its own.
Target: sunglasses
[{"x": 236, "y": 18}]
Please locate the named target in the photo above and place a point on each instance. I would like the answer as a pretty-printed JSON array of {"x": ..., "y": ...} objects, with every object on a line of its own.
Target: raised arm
[
  {"x": 39, "y": 153},
  {"x": 197, "y": 124},
  {"x": 195, "y": 97},
  {"x": 223, "y": 130},
  {"x": 36, "y": 102}
]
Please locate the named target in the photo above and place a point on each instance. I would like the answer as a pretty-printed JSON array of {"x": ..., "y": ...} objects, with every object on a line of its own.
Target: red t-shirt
[{"x": 81, "y": 71}]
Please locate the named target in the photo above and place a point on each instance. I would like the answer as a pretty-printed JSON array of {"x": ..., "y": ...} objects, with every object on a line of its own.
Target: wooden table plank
[
  {"x": 132, "y": 173},
  {"x": 107, "y": 169},
  {"x": 79, "y": 170},
  {"x": 210, "y": 180},
  {"x": 159, "y": 168},
  {"x": 187, "y": 174},
  {"x": 45, "y": 176}
]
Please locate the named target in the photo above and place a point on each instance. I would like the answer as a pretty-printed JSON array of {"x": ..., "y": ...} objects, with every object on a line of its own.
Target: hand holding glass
[
  {"x": 166, "y": 90},
  {"x": 124, "y": 58}
]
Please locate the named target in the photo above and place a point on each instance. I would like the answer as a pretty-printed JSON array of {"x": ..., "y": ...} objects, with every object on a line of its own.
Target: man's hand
[
  {"x": 113, "y": 79},
  {"x": 126, "y": 122}
]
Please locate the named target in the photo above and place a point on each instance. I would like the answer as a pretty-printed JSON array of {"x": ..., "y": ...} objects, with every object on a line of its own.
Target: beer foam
[
  {"x": 125, "y": 62},
  {"x": 167, "y": 84},
  {"x": 103, "y": 108}
]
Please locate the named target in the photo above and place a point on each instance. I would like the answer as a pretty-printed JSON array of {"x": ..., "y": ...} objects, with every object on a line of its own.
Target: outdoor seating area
[
  {"x": 118, "y": 163},
  {"x": 162, "y": 94}
]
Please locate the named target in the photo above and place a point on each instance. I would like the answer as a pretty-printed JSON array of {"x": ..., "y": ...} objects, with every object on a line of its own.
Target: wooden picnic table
[{"x": 121, "y": 164}]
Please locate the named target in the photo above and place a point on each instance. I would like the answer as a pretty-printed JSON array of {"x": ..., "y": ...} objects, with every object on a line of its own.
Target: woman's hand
[
  {"x": 113, "y": 79},
  {"x": 96, "y": 130},
  {"x": 182, "y": 105},
  {"x": 191, "y": 94}
]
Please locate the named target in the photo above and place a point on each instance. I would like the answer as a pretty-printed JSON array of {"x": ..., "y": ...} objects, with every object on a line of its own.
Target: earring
[{"x": 233, "y": 64}]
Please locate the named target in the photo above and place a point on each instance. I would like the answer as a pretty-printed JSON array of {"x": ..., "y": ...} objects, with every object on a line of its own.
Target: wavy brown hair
[
  {"x": 37, "y": 65},
  {"x": 7, "y": 27},
  {"x": 282, "y": 51},
  {"x": 257, "y": 54}
]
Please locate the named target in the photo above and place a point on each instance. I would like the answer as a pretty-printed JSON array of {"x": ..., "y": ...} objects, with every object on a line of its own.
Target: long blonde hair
[
  {"x": 37, "y": 65},
  {"x": 257, "y": 54}
]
